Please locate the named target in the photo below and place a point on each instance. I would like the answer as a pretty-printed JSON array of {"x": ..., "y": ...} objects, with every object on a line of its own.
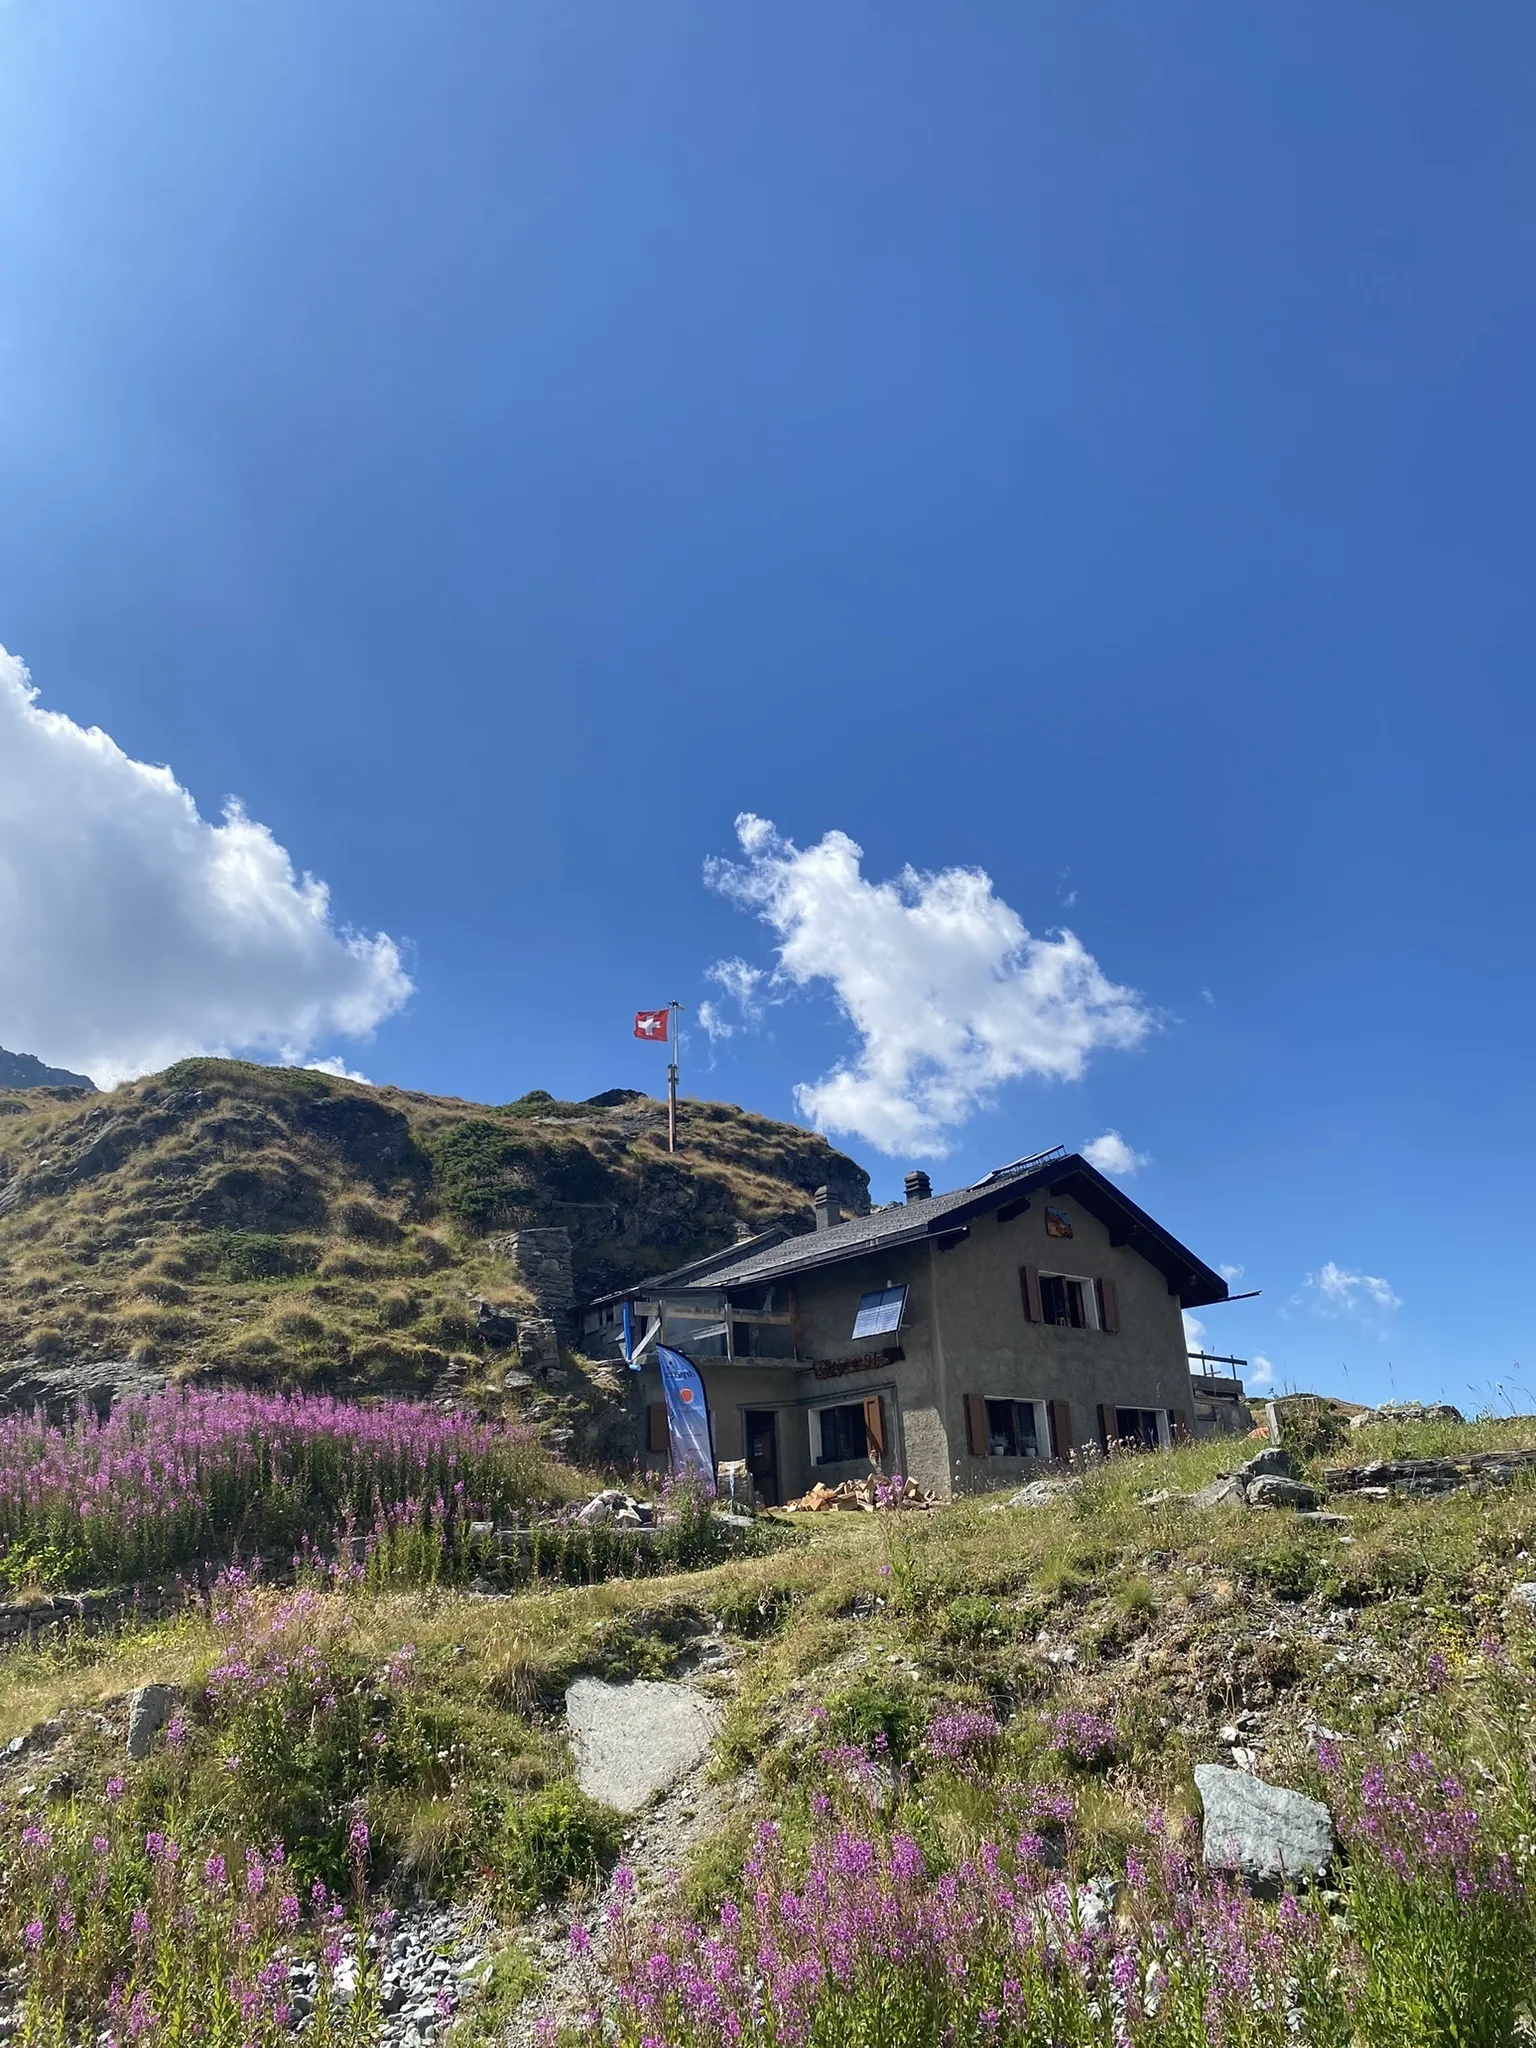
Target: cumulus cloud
[
  {"x": 1194, "y": 1332},
  {"x": 133, "y": 932},
  {"x": 1260, "y": 1373},
  {"x": 1333, "y": 1291},
  {"x": 1111, "y": 1154},
  {"x": 1230, "y": 1272},
  {"x": 947, "y": 992}
]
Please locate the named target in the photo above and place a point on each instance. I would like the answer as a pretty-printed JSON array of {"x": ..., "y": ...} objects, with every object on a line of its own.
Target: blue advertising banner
[
  {"x": 693, "y": 1448},
  {"x": 629, "y": 1339}
]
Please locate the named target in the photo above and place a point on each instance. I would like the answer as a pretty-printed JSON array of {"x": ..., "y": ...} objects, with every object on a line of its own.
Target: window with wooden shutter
[
  {"x": 1029, "y": 1282},
  {"x": 976, "y": 1425},
  {"x": 1109, "y": 1306},
  {"x": 1061, "y": 1429},
  {"x": 874, "y": 1425},
  {"x": 658, "y": 1436}
]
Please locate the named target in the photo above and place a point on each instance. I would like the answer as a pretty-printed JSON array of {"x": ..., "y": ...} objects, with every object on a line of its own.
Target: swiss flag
[{"x": 651, "y": 1024}]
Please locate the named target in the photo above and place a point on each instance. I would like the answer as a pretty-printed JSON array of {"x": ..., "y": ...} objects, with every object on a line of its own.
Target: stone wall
[{"x": 541, "y": 1260}]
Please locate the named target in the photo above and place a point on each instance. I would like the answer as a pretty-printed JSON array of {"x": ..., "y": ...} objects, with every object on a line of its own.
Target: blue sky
[{"x": 1091, "y": 446}]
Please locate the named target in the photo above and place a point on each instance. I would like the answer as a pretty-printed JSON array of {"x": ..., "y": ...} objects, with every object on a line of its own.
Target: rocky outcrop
[
  {"x": 61, "y": 1391},
  {"x": 25, "y": 1070}
]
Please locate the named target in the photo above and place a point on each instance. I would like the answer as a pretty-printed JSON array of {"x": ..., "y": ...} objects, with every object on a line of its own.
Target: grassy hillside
[
  {"x": 293, "y": 1229},
  {"x": 910, "y": 1701}
]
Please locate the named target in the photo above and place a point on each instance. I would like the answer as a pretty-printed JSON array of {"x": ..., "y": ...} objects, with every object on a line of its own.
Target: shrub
[
  {"x": 555, "y": 1842},
  {"x": 259, "y": 1255},
  {"x": 877, "y": 1712}
]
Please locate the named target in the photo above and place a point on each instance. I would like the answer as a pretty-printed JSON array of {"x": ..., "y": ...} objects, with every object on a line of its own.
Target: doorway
[{"x": 760, "y": 1434}]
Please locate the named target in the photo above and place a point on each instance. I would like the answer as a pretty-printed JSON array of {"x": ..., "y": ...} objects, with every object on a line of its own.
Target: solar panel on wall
[{"x": 880, "y": 1312}]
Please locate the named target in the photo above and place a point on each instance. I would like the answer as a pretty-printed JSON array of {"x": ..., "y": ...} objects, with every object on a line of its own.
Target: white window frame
[
  {"x": 1090, "y": 1303},
  {"x": 1164, "y": 1426},
  {"x": 1042, "y": 1424}
]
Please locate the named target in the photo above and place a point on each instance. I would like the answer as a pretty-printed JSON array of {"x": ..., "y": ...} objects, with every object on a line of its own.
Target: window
[
  {"x": 1014, "y": 1430},
  {"x": 1063, "y": 1302},
  {"x": 1146, "y": 1426},
  {"x": 844, "y": 1439},
  {"x": 880, "y": 1312}
]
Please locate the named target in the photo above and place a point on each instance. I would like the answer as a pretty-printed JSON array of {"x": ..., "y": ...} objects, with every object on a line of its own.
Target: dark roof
[{"x": 1065, "y": 1174}]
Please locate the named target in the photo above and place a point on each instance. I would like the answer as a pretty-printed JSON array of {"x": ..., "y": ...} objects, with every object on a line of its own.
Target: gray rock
[
  {"x": 1321, "y": 1520},
  {"x": 1418, "y": 1411},
  {"x": 1272, "y": 1491},
  {"x": 1271, "y": 1464},
  {"x": 633, "y": 1741},
  {"x": 1523, "y": 1596},
  {"x": 1262, "y": 1831},
  {"x": 148, "y": 1711},
  {"x": 1221, "y": 1493},
  {"x": 1040, "y": 1493}
]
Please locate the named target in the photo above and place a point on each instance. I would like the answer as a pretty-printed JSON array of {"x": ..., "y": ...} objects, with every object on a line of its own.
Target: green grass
[
  {"x": 1170, "y": 1623},
  {"x": 287, "y": 1228}
]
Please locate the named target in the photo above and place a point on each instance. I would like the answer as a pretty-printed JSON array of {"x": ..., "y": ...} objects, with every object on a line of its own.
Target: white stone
[{"x": 633, "y": 1741}]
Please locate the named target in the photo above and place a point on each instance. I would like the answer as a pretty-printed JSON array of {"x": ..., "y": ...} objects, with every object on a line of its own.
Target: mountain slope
[
  {"x": 286, "y": 1226},
  {"x": 25, "y": 1070}
]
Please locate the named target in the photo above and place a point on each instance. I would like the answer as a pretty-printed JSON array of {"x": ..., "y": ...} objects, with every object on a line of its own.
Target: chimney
[
  {"x": 919, "y": 1187},
  {"x": 824, "y": 1203}
]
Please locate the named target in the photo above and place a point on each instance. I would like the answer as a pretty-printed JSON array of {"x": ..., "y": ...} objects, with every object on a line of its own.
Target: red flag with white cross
[{"x": 651, "y": 1024}]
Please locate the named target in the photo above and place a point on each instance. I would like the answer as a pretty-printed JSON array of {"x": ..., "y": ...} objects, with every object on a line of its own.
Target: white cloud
[
  {"x": 750, "y": 988},
  {"x": 949, "y": 994},
  {"x": 133, "y": 932},
  {"x": 1260, "y": 1373},
  {"x": 1333, "y": 1290},
  {"x": 1230, "y": 1272},
  {"x": 1111, "y": 1154},
  {"x": 338, "y": 1067}
]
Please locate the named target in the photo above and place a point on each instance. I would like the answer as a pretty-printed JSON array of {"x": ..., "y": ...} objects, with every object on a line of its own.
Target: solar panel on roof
[{"x": 880, "y": 1312}]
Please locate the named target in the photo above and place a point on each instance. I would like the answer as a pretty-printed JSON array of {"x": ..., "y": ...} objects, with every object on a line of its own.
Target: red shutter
[
  {"x": 1029, "y": 1279},
  {"x": 1109, "y": 1306},
  {"x": 874, "y": 1426},
  {"x": 1061, "y": 1429},
  {"x": 658, "y": 1437},
  {"x": 1106, "y": 1425},
  {"x": 977, "y": 1440},
  {"x": 1178, "y": 1425}
]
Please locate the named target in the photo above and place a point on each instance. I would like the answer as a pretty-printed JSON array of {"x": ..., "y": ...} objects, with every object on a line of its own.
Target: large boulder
[
  {"x": 633, "y": 1741},
  {"x": 1265, "y": 1833}
]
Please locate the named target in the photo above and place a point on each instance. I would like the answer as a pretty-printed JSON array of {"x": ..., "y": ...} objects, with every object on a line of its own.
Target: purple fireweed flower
[
  {"x": 289, "y": 1912},
  {"x": 961, "y": 1735},
  {"x": 1086, "y": 1738},
  {"x": 214, "y": 1874},
  {"x": 115, "y": 1789},
  {"x": 139, "y": 1924}
]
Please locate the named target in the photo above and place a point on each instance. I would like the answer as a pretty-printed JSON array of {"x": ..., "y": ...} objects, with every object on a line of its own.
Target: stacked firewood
[{"x": 870, "y": 1496}]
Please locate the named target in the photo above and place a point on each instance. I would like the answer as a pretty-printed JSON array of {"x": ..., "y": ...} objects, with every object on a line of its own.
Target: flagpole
[{"x": 672, "y": 1083}]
